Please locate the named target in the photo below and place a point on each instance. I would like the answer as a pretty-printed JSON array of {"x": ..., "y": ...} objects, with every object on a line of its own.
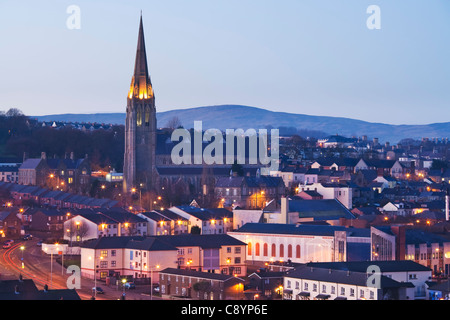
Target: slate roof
[
  {"x": 378, "y": 163},
  {"x": 199, "y": 274},
  {"x": 28, "y": 291},
  {"x": 156, "y": 216},
  {"x": 97, "y": 218},
  {"x": 443, "y": 286},
  {"x": 129, "y": 242},
  {"x": 170, "y": 214},
  {"x": 340, "y": 276},
  {"x": 4, "y": 215},
  {"x": 205, "y": 241},
  {"x": 50, "y": 212},
  {"x": 31, "y": 163},
  {"x": 269, "y": 274},
  {"x": 207, "y": 213},
  {"x": 294, "y": 169},
  {"x": 361, "y": 266},
  {"x": 251, "y": 182},
  {"x": 417, "y": 236},
  {"x": 301, "y": 229},
  {"x": 52, "y": 194},
  {"x": 323, "y": 209},
  {"x": 122, "y": 216},
  {"x": 9, "y": 169}
]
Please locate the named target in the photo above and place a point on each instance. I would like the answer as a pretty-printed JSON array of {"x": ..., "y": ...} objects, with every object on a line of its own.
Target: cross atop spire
[{"x": 141, "y": 86}]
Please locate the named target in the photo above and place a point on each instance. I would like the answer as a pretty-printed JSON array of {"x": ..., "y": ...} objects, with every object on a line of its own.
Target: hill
[{"x": 237, "y": 116}]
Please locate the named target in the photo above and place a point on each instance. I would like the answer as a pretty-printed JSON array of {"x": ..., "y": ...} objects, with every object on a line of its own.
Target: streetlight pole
[
  {"x": 124, "y": 280},
  {"x": 22, "y": 248},
  {"x": 151, "y": 280},
  {"x": 51, "y": 268}
]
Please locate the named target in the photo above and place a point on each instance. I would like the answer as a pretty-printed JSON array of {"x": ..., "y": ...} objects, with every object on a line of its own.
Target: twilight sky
[{"x": 313, "y": 57}]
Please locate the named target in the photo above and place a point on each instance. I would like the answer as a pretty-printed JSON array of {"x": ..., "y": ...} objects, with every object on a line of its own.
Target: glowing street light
[{"x": 22, "y": 248}]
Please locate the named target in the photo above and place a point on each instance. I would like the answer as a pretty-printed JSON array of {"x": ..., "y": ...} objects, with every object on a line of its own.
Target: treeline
[{"x": 20, "y": 134}]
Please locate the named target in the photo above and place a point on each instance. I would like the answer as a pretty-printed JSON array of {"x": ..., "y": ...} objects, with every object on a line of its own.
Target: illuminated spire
[{"x": 141, "y": 86}]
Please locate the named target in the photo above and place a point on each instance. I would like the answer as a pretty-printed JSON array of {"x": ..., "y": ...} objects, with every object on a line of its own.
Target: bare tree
[{"x": 174, "y": 123}]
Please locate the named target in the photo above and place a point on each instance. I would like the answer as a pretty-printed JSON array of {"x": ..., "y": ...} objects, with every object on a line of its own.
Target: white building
[
  {"x": 243, "y": 216},
  {"x": 208, "y": 220},
  {"x": 139, "y": 257},
  {"x": 164, "y": 222},
  {"x": 342, "y": 193},
  {"x": 95, "y": 225},
  {"x": 366, "y": 280},
  {"x": 303, "y": 243},
  {"x": 292, "y": 177}
]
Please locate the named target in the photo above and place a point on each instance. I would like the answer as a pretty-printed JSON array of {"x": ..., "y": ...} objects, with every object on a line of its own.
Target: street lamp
[
  {"x": 95, "y": 275},
  {"x": 124, "y": 280},
  {"x": 151, "y": 280},
  {"x": 22, "y": 248}
]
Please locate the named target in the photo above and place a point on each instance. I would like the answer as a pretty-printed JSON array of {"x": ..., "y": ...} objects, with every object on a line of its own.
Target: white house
[
  {"x": 394, "y": 208},
  {"x": 165, "y": 222},
  {"x": 87, "y": 226},
  {"x": 291, "y": 176},
  {"x": 210, "y": 221},
  {"x": 387, "y": 182},
  {"x": 342, "y": 193}
]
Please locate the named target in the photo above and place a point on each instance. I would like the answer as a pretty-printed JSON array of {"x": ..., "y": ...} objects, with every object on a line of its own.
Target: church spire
[{"x": 141, "y": 86}]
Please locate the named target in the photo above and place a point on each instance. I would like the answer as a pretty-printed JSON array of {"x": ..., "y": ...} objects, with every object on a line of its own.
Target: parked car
[
  {"x": 130, "y": 285},
  {"x": 99, "y": 290},
  {"x": 27, "y": 237},
  {"x": 39, "y": 244}
]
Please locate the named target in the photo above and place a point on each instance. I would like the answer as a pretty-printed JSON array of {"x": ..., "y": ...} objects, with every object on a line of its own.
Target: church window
[
  {"x": 138, "y": 117},
  {"x": 147, "y": 117}
]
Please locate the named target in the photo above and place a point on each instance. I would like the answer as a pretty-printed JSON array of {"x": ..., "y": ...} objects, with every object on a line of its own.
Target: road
[{"x": 43, "y": 269}]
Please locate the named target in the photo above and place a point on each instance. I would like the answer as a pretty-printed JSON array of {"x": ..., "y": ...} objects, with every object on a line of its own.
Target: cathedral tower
[{"x": 140, "y": 126}]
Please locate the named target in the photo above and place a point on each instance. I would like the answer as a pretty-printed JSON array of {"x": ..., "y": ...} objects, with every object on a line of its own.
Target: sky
[{"x": 315, "y": 57}]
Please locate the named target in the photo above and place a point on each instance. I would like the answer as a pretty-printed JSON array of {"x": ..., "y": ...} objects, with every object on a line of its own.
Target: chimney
[
  {"x": 25, "y": 156},
  {"x": 284, "y": 209},
  {"x": 43, "y": 155},
  {"x": 72, "y": 156}
]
